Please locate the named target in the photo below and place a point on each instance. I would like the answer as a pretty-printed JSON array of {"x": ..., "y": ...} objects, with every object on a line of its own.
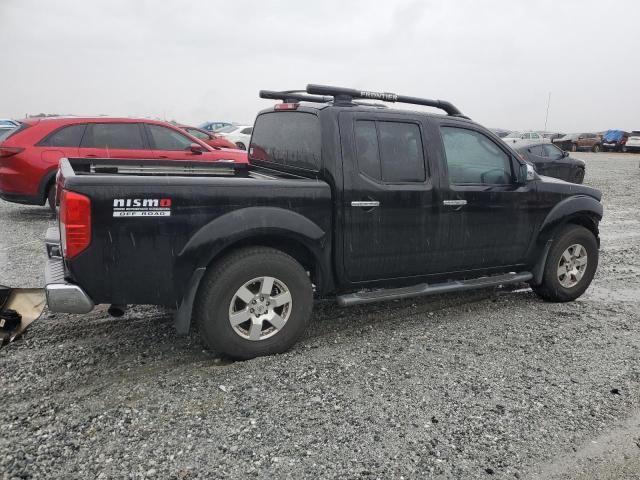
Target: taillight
[
  {"x": 285, "y": 106},
  {"x": 9, "y": 151},
  {"x": 75, "y": 223}
]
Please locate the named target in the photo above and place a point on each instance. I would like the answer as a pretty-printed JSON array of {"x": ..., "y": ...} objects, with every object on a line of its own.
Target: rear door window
[
  {"x": 367, "y": 150},
  {"x": 69, "y": 136},
  {"x": 124, "y": 136},
  {"x": 391, "y": 152},
  {"x": 289, "y": 139}
]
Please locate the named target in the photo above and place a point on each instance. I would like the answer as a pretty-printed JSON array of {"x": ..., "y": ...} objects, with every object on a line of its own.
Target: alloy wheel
[
  {"x": 260, "y": 308},
  {"x": 572, "y": 265}
]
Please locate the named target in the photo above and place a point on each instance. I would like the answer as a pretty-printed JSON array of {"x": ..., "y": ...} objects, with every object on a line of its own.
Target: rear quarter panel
[{"x": 145, "y": 260}]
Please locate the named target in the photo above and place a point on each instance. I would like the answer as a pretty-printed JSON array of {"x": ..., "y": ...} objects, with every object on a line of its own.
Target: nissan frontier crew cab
[{"x": 343, "y": 198}]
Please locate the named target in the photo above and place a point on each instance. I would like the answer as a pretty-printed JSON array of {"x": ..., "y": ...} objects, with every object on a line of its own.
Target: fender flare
[
  {"x": 564, "y": 211},
  {"x": 235, "y": 227}
]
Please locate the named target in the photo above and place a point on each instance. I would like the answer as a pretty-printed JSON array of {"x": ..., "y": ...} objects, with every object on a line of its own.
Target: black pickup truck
[{"x": 343, "y": 198}]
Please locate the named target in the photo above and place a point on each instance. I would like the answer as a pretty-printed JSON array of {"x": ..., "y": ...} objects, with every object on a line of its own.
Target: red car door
[{"x": 114, "y": 140}]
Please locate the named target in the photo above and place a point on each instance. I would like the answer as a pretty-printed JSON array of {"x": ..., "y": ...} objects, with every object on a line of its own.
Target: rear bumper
[{"x": 62, "y": 296}]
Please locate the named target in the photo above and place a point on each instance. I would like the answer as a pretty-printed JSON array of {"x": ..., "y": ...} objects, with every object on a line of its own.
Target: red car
[
  {"x": 29, "y": 156},
  {"x": 210, "y": 138}
]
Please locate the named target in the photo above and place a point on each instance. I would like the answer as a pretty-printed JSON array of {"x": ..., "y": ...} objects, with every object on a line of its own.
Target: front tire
[
  {"x": 255, "y": 302},
  {"x": 241, "y": 146},
  {"x": 571, "y": 265},
  {"x": 574, "y": 147},
  {"x": 596, "y": 148}
]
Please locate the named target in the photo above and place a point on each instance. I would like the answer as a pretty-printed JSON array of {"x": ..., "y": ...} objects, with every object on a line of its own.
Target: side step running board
[{"x": 436, "y": 288}]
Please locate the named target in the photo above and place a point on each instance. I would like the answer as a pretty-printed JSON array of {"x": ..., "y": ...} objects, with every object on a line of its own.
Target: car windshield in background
[
  {"x": 635, "y": 133},
  {"x": 513, "y": 135},
  {"x": 5, "y": 132},
  {"x": 228, "y": 129}
]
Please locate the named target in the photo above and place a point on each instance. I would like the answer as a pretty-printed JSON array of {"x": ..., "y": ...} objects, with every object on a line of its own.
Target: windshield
[
  {"x": 5, "y": 132},
  {"x": 228, "y": 129},
  {"x": 514, "y": 135}
]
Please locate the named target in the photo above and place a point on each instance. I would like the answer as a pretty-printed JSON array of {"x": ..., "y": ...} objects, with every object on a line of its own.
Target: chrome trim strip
[
  {"x": 454, "y": 202},
  {"x": 368, "y": 203}
]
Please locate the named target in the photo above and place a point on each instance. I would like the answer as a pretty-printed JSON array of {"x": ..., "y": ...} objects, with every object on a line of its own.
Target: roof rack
[
  {"x": 293, "y": 96},
  {"x": 345, "y": 96}
]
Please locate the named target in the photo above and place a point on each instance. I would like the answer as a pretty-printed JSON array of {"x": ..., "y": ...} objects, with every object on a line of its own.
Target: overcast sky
[{"x": 193, "y": 61}]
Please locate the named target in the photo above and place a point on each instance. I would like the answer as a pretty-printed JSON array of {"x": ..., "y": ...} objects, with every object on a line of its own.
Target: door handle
[
  {"x": 365, "y": 203},
  {"x": 454, "y": 203}
]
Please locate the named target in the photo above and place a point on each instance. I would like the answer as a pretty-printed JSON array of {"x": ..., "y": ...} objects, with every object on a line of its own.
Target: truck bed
[{"x": 153, "y": 222}]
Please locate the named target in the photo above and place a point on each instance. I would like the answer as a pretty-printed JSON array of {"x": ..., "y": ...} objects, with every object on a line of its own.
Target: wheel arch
[
  {"x": 272, "y": 227},
  {"x": 580, "y": 210},
  {"x": 47, "y": 181}
]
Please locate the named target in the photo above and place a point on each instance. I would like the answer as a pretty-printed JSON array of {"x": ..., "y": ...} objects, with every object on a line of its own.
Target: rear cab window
[{"x": 287, "y": 139}]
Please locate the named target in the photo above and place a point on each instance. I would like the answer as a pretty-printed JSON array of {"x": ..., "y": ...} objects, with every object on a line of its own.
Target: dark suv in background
[{"x": 579, "y": 141}]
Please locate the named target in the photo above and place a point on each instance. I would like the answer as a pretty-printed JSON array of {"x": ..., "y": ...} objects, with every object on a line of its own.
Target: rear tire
[
  {"x": 596, "y": 148},
  {"x": 242, "y": 295},
  {"x": 571, "y": 265}
]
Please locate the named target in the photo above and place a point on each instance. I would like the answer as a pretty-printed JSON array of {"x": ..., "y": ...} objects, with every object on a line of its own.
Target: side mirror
[
  {"x": 526, "y": 173},
  {"x": 565, "y": 154},
  {"x": 196, "y": 149}
]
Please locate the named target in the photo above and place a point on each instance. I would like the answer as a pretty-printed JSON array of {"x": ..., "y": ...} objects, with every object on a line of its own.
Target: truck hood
[{"x": 555, "y": 185}]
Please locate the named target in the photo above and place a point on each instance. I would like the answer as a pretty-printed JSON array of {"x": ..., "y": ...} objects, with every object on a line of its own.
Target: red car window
[
  {"x": 114, "y": 136},
  {"x": 167, "y": 139}
]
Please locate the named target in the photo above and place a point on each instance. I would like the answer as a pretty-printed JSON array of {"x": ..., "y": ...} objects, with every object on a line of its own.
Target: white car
[
  {"x": 8, "y": 123},
  {"x": 633, "y": 142},
  {"x": 238, "y": 134},
  {"x": 517, "y": 138}
]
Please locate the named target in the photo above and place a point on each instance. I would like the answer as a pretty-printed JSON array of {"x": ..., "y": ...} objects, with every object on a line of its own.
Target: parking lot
[{"x": 490, "y": 384}]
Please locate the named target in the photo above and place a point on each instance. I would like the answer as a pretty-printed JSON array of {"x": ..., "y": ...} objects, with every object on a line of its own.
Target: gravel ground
[{"x": 486, "y": 385}]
